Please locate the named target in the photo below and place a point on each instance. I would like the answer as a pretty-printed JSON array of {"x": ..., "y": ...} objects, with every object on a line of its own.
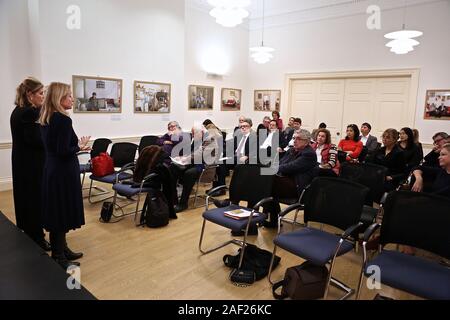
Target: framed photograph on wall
[
  {"x": 200, "y": 98},
  {"x": 267, "y": 100},
  {"x": 230, "y": 99},
  {"x": 151, "y": 97},
  {"x": 437, "y": 105},
  {"x": 96, "y": 94}
]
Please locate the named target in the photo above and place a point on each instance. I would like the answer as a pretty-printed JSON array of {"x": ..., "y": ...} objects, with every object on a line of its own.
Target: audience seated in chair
[
  {"x": 169, "y": 140},
  {"x": 431, "y": 159},
  {"x": 326, "y": 153},
  {"x": 204, "y": 151},
  {"x": 391, "y": 157},
  {"x": 368, "y": 141},
  {"x": 295, "y": 172},
  {"x": 411, "y": 151},
  {"x": 351, "y": 145}
]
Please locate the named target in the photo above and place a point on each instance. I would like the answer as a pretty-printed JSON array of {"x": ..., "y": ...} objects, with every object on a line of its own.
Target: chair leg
[
  {"x": 203, "y": 251},
  {"x": 336, "y": 282},
  {"x": 271, "y": 264}
]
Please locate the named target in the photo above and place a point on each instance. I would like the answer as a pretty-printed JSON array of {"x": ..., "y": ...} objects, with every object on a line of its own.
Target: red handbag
[{"x": 102, "y": 165}]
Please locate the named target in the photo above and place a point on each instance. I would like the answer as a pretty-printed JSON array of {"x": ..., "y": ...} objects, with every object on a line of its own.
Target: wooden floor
[{"x": 122, "y": 261}]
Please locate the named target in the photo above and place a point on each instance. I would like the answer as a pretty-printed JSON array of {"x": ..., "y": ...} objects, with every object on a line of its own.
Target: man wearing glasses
[
  {"x": 431, "y": 159},
  {"x": 294, "y": 173},
  {"x": 247, "y": 146}
]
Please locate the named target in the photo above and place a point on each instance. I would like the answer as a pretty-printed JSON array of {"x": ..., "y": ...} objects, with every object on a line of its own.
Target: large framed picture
[
  {"x": 97, "y": 95},
  {"x": 437, "y": 105},
  {"x": 151, "y": 97},
  {"x": 267, "y": 100},
  {"x": 230, "y": 99},
  {"x": 201, "y": 97}
]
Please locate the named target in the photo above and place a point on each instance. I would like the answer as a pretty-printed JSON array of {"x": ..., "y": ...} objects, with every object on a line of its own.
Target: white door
[
  {"x": 382, "y": 102},
  {"x": 316, "y": 101}
]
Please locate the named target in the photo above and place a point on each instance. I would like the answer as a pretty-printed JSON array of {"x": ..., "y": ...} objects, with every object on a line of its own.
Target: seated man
[
  {"x": 188, "y": 169},
  {"x": 295, "y": 172},
  {"x": 287, "y": 140},
  {"x": 431, "y": 159}
]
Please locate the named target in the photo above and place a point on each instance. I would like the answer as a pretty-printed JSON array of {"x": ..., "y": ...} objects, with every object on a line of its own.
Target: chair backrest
[
  {"x": 123, "y": 153},
  {"x": 417, "y": 219},
  {"x": 100, "y": 145},
  {"x": 368, "y": 174},
  {"x": 333, "y": 201},
  {"x": 248, "y": 184},
  {"x": 208, "y": 174},
  {"x": 147, "y": 141}
]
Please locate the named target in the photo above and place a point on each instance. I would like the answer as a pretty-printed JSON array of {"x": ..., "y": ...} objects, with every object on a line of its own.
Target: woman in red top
[
  {"x": 326, "y": 154},
  {"x": 276, "y": 117},
  {"x": 351, "y": 144}
]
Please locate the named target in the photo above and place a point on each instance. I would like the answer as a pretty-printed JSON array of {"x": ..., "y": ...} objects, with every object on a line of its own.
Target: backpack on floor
[{"x": 155, "y": 212}]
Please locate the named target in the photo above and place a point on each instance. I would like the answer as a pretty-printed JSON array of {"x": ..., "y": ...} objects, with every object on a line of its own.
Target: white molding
[
  {"x": 412, "y": 73},
  {"x": 331, "y": 11}
]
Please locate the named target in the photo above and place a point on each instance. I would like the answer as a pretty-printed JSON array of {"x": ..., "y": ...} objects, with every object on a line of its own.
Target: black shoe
[
  {"x": 45, "y": 245},
  {"x": 70, "y": 255},
  {"x": 180, "y": 207},
  {"x": 270, "y": 225},
  {"x": 221, "y": 203},
  {"x": 241, "y": 233}
]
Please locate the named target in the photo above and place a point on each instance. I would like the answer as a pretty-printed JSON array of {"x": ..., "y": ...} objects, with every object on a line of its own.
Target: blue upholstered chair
[
  {"x": 327, "y": 201},
  {"x": 419, "y": 220}
]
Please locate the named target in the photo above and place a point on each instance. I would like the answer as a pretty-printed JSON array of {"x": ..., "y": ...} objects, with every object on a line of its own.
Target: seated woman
[
  {"x": 440, "y": 177},
  {"x": 151, "y": 161},
  {"x": 411, "y": 151},
  {"x": 391, "y": 157},
  {"x": 171, "y": 138},
  {"x": 351, "y": 145},
  {"x": 326, "y": 154},
  {"x": 205, "y": 146}
]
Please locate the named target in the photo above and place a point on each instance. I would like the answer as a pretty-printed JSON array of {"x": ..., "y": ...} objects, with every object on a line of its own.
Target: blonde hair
[
  {"x": 29, "y": 85},
  {"x": 55, "y": 93}
]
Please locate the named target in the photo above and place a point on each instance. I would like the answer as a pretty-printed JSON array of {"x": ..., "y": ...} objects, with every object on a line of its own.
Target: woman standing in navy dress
[{"x": 62, "y": 200}]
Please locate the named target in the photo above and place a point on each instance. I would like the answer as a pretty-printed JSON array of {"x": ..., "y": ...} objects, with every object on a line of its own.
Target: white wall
[
  {"x": 345, "y": 44},
  {"x": 209, "y": 47},
  {"x": 148, "y": 40}
]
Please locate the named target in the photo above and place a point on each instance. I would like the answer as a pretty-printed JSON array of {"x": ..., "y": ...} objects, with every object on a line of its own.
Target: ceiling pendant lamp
[
  {"x": 402, "y": 41},
  {"x": 262, "y": 54},
  {"x": 229, "y": 13}
]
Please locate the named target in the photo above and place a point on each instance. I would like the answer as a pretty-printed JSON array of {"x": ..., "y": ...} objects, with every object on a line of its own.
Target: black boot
[
  {"x": 70, "y": 255},
  {"x": 57, "y": 242}
]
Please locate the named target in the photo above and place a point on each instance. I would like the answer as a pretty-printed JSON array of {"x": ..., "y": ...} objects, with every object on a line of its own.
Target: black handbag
[
  {"x": 107, "y": 211},
  {"x": 304, "y": 282}
]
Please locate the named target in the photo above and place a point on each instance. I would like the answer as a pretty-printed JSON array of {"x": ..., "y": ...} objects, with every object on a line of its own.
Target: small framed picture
[
  {"x": 200, "y": 98},
  {"x": 230, "y": 99},
  {"x": 437, "y": 105},
  {"x": 96, "y": 94},
  {"x": 151, "y": 97},
  {"x": 267, "y": 100}
]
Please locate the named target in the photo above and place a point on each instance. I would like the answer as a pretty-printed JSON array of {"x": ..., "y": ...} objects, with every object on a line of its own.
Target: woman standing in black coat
[
  {"x": 28, "y": 157},
  {"x": 62, "y": 200}
]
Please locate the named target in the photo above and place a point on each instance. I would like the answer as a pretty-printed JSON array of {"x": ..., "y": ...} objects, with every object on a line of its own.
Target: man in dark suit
[
  {"x": 294, "y": 173},
  {"x": 369, "y": 141},
  {"x": 246, "y": 147}
]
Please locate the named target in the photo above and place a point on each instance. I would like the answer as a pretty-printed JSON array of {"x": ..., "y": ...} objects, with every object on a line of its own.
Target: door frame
[{"x": 412, "y": 73}]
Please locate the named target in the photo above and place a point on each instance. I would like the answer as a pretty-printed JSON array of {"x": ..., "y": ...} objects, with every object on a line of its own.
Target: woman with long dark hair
[
  {"x": 411, "y": 151},
  {"x": 27, "y": 159},
  {"x": 351, "y": 145}
]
